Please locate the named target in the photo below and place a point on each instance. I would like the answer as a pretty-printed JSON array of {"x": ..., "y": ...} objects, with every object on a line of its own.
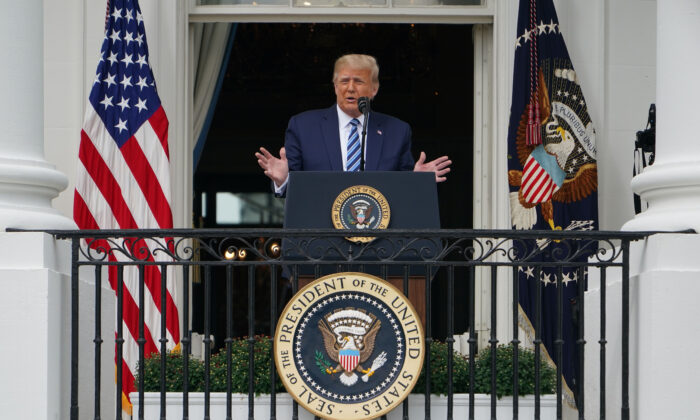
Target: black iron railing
[{"x": 296, "y": 254}]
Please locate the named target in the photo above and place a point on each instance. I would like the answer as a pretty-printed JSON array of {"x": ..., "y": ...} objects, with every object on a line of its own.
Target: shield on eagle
[{"x": 349, "y": 359}]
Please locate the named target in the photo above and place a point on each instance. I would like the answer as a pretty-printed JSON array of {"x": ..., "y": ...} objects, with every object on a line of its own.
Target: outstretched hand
[
  {"x": 275, "y": 168},
  {"x": 440, "y": 166}
]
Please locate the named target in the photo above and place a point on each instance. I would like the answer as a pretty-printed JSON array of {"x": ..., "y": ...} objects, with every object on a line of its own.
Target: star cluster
[
  {"x": 547, "y": 278},
  {"x": 123, "y": 92},
  {"x": 542, "y": 29}
]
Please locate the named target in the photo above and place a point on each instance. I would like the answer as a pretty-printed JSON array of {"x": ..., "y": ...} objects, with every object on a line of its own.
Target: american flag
[{"x": 123, "y": 179}]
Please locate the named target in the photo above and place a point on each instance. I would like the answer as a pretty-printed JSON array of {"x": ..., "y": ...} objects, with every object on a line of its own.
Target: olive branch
[{"x": 322, "y": 363}]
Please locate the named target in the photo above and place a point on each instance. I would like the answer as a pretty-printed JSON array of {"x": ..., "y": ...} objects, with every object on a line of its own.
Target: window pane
[
  {"x": 362, "y": 3},
  {"x": 319, "y": 3},
  {"x": 247, "y": 2},
  {"x": 248, "y": 209},
  {"x": 409, "y": 3}
]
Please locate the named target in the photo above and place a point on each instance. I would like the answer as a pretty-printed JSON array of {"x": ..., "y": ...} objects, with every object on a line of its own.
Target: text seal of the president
[{"x": 349, "y": 346}]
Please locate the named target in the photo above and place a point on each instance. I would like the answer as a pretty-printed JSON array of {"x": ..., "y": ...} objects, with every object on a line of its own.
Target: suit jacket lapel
[
  {"x": 331, "y": 138},
  {"x": 374, "y": 141}
]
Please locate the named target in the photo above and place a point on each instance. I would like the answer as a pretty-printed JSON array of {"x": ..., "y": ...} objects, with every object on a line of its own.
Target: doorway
[{"x": 277, "y": 70}]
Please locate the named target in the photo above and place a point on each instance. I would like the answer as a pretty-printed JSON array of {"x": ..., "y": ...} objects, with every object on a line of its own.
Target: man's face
[{"x": 350, "y": 85}]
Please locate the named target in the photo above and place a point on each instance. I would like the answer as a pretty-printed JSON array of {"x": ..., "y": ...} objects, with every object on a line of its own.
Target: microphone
[{"x": 363, "y": 107}]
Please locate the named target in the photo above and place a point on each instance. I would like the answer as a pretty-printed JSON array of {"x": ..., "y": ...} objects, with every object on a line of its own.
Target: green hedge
[
  {"x": 482, "y": 372},
  {"x": 217, "y": 375},
  {"x": 438, "y": 371}
]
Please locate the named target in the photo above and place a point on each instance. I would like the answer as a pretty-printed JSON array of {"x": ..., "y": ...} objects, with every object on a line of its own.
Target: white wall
[
  {"x": 65, "y": 87},
  {"x": 630, "y": 88},
  {"x": 612, "y": 44}
]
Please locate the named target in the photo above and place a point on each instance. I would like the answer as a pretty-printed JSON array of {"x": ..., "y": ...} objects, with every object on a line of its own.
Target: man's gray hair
[{"x": 358, "y": 62}]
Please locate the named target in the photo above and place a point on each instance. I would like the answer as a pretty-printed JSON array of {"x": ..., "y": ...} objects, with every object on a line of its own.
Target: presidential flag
[
  {"x": 123, "y": 179},
  {"x": 552, "y": 174}
]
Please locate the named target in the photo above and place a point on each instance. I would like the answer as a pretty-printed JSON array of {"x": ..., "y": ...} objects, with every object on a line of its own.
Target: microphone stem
[{"x": 362, "y": 141}]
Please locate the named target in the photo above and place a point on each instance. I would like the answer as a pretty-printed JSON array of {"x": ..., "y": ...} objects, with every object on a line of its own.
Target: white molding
[
  {"x": 483, "y": 127},
  {"x": 498, "y": 205},
  {"x": 170, "y": 31},
  {"x": 504, "y": 31},
  {"x": 483, "y": 168},
  {"x": 440, "y": 14}
]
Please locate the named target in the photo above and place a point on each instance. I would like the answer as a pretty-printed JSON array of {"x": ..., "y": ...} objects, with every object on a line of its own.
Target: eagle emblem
[
  {"x": 348, "y": 338},
  {"x": 361, "y": 211},
  {"x": 360, "y": 207},
  {"x": 563, "y": 168}
]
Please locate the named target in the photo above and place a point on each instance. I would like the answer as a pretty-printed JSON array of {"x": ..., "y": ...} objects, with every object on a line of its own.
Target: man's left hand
[{"x": 441, "y": 166}]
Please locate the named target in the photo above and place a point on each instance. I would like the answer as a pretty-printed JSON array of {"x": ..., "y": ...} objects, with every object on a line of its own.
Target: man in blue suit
[{"x": 322, "y": 140}]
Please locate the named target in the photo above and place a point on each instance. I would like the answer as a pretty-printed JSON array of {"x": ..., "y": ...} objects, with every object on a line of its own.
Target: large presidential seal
[
  {"x": 349, "y": 346},
  {"x": 360, "y": 207}
]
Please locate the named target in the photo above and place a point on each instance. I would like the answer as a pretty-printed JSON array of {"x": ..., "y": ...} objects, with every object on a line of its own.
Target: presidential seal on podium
[
  {"x": 349, "y": 346},
  {"x": 360, "y": 207}
]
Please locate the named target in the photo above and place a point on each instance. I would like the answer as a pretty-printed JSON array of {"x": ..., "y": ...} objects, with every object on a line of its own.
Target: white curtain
[{"x": 210, "y": 42}]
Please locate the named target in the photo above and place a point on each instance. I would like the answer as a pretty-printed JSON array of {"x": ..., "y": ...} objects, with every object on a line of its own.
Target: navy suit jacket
[{"x": 312, "y": 142}]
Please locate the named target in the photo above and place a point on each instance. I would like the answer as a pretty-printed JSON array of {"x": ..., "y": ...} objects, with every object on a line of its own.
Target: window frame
[{"x": 495, "y": 22}]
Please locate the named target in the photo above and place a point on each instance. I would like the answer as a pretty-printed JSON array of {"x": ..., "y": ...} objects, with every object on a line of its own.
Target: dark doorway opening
[{"x": 278, "y": 70}]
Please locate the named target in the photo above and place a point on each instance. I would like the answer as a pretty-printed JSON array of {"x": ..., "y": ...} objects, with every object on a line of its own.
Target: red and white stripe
[
  {"x": 537, "y": 185},
  {"x": 129, "y": 188},
  {"x": 349, "y": 363}
]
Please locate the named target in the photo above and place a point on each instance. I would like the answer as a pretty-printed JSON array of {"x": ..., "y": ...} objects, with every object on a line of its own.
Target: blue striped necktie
[{"x": 353, "y": 162}]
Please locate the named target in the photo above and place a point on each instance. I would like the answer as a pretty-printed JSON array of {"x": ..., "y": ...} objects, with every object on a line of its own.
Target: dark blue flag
[{"x": 552, "y": 174}]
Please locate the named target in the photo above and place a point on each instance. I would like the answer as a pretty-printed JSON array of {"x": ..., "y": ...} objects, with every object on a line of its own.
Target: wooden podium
[{"x": 412, "y": 200}]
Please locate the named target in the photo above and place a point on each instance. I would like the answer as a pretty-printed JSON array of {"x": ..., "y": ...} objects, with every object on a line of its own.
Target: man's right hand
[{"x": 275, "y": 168}]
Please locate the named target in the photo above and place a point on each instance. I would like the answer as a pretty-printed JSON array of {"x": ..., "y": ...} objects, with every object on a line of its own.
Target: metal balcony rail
[{"x": 293, "y": 255}]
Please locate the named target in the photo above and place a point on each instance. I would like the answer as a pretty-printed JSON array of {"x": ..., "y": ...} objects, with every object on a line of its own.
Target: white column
[
  {"x": 33, "y": 266},
  {"x": 27, "y": 182},
  {"x": 665, "y": 281},
  {"x": 671, "y": 186}
]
